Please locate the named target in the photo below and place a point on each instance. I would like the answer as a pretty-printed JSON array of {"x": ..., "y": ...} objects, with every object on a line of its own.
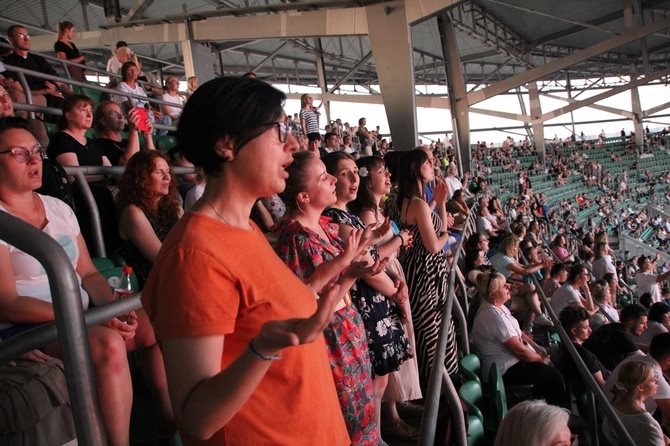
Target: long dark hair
[
  {"x": 409, "y": 174},
  {"x": 297, "y": 178},
  {"x": 364, "y": 198}
]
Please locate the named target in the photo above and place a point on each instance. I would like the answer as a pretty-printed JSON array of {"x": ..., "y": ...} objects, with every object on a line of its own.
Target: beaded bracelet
[{"x": 257, "y": 355}]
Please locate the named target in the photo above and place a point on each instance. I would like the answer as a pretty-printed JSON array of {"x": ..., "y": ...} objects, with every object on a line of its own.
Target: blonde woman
[{"x": 636, "y": 382}]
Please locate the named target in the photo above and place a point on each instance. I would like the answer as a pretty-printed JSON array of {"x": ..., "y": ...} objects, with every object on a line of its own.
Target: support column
[
  {"x": 536, "y": 115},
  {"x": 390, "y": 41},
  {"x": 198, "y": 61},
  {"x": 637, "y": 115},
  {"x": 321, "y": 78},
  {"x": 458, "y": 99}
]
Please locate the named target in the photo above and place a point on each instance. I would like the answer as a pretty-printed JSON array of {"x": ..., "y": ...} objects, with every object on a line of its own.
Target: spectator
[
  {"x": 534, "y": 423},
  {"x": 172, "y": 95},
  {"x": 67, "y": 50},
  {"x": 331, "y": 146},
  {"x": 600, "y": 291},
  {"x": 51, "y": 92},
  {"x": 192, "y": 84},
  {"x": 658, "y": 322},
  {"x": 568, "y": 293},
  {"x": 114, "y": 64},
  {"x": 35, "y": 126},
  {"x": 108, "y": 125},
  {"x": 365, "y": 138},
  {"x": 309, "y": 117},
  {"x": 612, "y": 343},
  {"x": 557, "y": 275},
  {"x": 648, "y": 282},
  {"x": 603, "y": 262},
  {"x": 558, "y": 247}
]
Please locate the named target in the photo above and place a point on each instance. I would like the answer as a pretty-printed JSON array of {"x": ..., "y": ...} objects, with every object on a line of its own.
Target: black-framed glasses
[
  {"x": 22, "y": 155},
  {"x": 282, "y": 129}
]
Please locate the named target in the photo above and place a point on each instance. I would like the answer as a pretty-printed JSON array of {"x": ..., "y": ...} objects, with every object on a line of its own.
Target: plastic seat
[
  {"x": 166, "y": 143},
  {"x": 471, "y": 394},
  {"x": 103, "y": 263},
  {"x": 514, "y": 393},
  {"x": 471, "y": 367},
  {"x": 475, "y": 432}
]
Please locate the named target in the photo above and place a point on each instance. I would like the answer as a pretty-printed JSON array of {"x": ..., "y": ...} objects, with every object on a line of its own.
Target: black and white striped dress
[{"x": 427, "y": 279}]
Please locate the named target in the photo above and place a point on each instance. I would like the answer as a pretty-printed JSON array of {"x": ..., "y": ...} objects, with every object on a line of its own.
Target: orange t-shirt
[{"x": 214, "y": 279}]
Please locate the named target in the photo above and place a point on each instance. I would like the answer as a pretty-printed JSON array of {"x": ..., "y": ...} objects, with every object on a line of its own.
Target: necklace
[
  {"x": 217, "y": 212},
  {"x": 37, "y": 223}
]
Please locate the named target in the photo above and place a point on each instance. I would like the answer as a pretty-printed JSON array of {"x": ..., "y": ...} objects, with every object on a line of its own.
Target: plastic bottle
[
  {"x": 529, "y": 331},
  {"x": 124, "y": 288}
]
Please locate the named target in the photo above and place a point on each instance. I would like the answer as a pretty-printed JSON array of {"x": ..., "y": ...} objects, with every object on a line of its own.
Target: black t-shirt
[
  {"x": 31, "y": 62},
  {"x": 70, "y": 52},
  {"x": 88, "y": 155},
  {"x": 611, "y": 344},
  {"x": 569, "y": 369},
  {"x": 113, "y": 150}
]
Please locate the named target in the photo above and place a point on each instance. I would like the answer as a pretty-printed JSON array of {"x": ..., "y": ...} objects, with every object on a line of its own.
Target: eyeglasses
[
  {"x": 23, "y": 36},
  {"x": 22, "y": 155},
  {"x": 384, "y": 171},
  {"x": 282, "y": 129}
]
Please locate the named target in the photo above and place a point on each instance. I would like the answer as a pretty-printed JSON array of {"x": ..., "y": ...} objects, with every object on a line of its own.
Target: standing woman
[
  {"x": 311, "y": 247},
  {"x": 67, "y": 50},
  {"x": 309, "y": 118},
  {"x": 150, "y": 208},
  {"x": 424, "y": 262},
  {"x": 221, "y": 301},
  {"x": 378, "y": 299}
]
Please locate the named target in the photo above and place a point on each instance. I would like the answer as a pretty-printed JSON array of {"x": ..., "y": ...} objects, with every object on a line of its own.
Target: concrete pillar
[
  {"x": 637, "y": 113},
  {"x": 198, "y": 61},
  {"x": 460, "y": 114},
  {"x": 390, "y": 41},
  {"x": 536, "y": 115}
]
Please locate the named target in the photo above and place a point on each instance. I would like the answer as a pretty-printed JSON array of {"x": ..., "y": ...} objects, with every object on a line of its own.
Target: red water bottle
[{"x": 124, "y": 288}]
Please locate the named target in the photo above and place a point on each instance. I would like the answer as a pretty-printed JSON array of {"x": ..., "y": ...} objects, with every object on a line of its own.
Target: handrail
[
  {"x": 69, "y": 320},
  {"x": 438, "y": 374},
  {"x": 587, "y": 377}
]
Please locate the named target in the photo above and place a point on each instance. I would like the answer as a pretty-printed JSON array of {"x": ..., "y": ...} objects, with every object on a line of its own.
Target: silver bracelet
[{"x": 257, "y": 355}]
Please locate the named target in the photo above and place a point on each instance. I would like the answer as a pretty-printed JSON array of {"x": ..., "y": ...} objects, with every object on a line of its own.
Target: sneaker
[
  {"x": 400, "y": 430},
  {"x": 543, "y": 320},
  {"x": 409, "y": 408}
]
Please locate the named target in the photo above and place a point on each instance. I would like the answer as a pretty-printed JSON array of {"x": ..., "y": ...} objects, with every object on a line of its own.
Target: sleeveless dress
[
  {"x": 427, "y": 280},
  {"x": 303, "y": 250},
  {"x": 388, "y": 345},
  {"x": 132, "y": 255}
]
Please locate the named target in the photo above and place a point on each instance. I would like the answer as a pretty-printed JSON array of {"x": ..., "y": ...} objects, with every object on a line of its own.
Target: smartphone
[{"x": 143, "y": 113}]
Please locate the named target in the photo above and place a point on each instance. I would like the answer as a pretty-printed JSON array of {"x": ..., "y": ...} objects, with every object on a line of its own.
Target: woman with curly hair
[{"x": 150, "y": 207}]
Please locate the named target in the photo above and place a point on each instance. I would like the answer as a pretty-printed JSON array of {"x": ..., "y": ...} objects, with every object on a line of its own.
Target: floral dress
[
  {"x": 303, "y": 250},
  {"x": 388, "y": 345}
]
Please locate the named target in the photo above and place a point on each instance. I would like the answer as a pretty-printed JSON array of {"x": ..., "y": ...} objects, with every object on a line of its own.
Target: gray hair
[{"x": 531, "y": 423}]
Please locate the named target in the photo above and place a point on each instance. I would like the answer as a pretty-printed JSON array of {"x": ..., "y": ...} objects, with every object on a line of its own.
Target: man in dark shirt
[
  {"x": 612, "y": 343},
  {"x": 53, "y": 91},
  {"x": 575, "y": 321}
]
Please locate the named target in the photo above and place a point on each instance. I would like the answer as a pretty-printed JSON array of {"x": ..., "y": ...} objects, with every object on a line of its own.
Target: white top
[
  {"x": 603, "y": 266},
  {"x": 663, "y": 387},
  {"x": 484, "y": 226},
  {"x": 563, "y": 297},
  {"x": 454, "y": 185},
  {"x": 611, "y": 311},
  {"x": 646, "y": 283},
  {"x": 644, "y": 430},
  {"x": 493, "y": 327},
  {"x": 113, "y": 65},
  {"x": 193, "y": 195},
  {"x": 175, "y": 100},
  {"x": 31, "y": 278},
  {"x": 139, "y": 91},
  {"x": 653, "y": 328}
]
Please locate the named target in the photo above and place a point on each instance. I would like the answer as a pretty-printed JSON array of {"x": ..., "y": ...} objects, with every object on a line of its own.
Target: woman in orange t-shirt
[{"x": 240, "y": 334}]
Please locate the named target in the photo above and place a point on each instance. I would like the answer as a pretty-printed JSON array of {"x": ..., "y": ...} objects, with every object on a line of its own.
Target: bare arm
[
  {"x": 520, "y": 351},
  {"x": 135, "y": 227}
]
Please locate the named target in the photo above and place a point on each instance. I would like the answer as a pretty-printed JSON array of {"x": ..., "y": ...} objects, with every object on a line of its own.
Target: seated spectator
[
  {"x": 600, "y": 292},
  {"x": 43, "y": 91},
  {"x": 25, "y": 298},
  {"x": 557, "y": 276},
  {"x": 568, "y": 293},
  {"x": 108, "y": 123},
  {"x": 484, "y": 226},
  {"x": 150, "y": 207},
  {"x": 497, "y": 337},
  {"x": 525, "y": 302},
  {"x": 533, "y": 233},
  {"x": 558, "y": 247},
  {"x": 35, "y": 126},
  {"x": 658, "y": 322},
  {"x": 646, "y": 281},
  {"x": 70, "y": 147},
  {"x": 612, "y": 343},
  {"x": 603, "y": 262},
  {"x": 172, "y": 95},
  {"x": 534, "y": 423},
  {"x": 633, "y": 384},
  {"x": 575, "y": 322},
  {"x": 114, "y": 63},
  {"x": 129, "y": 75}
]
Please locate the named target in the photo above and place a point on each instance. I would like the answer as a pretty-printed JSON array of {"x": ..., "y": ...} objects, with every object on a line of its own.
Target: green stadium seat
[
  {"x": 471, "y": 394},
  {"x": 471, "y": 367},
  {"x": 166, "y": 143}
]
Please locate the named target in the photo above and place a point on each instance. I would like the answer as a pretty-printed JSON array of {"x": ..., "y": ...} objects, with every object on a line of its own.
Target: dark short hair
[
  {"x": 659, "y": 348},
  {"x": 558, "y": 267},
  {"x": 238, "y": 108},
  {"x": 328, "y": 135},
  {"x": 575, "y": 271},
  {"x": 657, "y": 311},
  {"x": 12, "y": 122},
  {"x": 571, "y": 316},
  {"x": 120, "y": 44},
  {"x": 631, "y": 312},
  {"x": 125, "y": 67},
  {"x": 12, "y": 28}
]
